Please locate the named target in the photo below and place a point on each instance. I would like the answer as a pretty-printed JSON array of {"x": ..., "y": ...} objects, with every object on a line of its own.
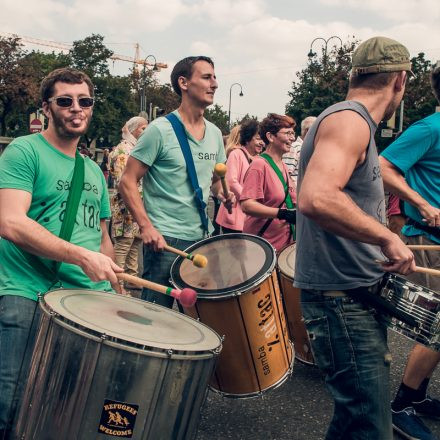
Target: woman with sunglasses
[
  {"x": 239, "y": 159},
  {"x": 268, "y": 194}
]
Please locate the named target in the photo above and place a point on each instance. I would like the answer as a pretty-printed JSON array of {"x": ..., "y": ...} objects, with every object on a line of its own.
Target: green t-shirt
[
  {"x": 168, "y": 194},
  {"x": 31, "y": 164}
]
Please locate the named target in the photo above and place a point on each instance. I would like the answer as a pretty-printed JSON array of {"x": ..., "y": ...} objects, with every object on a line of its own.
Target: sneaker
[
  {"x": 428, "y": 407},
  {"x": 409, "y": 426}
]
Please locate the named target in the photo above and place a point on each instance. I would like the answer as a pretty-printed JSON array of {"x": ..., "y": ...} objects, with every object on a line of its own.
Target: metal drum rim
[
  {"x": 260, "y": 393},
  {"x": 244, "y": 289},
  {"x": 150, "y": 350}
]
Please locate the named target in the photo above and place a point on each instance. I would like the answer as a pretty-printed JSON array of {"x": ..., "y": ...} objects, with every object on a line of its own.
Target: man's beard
[{"x": 64, "y": 132}]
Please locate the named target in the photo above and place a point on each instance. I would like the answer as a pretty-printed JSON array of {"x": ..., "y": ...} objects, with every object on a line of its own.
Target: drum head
[
  {"x": 286, "y": 261},
  {"x": 236, "y": 262},
  {"x": 131, "y": 320}
]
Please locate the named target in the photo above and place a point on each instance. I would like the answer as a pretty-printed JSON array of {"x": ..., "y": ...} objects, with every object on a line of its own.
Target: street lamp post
[
  {"x": 143, "y": 103},
  {"x": 230, "y": 96},
  {"x": 311, "y": 54}
]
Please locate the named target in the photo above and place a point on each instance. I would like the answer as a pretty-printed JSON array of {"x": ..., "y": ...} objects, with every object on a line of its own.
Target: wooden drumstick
[
  {"x": 220, "y": 169},
  {"x": 197, "y": 259},
  {"x": 187, "y": 297},
  {"x": 424, "y": 247},
  {"x": 428, "y": 270}
]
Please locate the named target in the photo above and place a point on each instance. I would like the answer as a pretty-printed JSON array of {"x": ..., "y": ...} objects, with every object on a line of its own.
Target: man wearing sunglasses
[{"x": 36, "y": 174}]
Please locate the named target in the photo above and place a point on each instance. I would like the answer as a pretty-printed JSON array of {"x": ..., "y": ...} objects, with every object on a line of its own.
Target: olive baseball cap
[{"x": 380, "y": 54}]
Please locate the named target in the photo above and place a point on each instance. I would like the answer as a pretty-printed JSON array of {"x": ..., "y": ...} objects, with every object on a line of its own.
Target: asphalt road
[{"x": 300, "y": 409}]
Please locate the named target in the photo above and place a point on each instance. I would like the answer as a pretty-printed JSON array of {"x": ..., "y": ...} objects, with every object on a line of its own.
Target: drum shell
[
  {"x": 257, "y": 354},
  {"x": 292, "y": 305},
  {"x": 73, "y": 372},
  {"x": 295, "y": 322}
]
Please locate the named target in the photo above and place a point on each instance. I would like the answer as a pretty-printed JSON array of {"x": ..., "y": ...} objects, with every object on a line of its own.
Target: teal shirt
[
  {"x": 417, "y": 154},
  {"x": 31, "y": 164},
  {"x": 168, "y": 194}
]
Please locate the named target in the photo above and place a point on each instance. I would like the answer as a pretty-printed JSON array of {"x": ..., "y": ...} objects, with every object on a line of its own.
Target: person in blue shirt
[{"x": 410, "y": 169}]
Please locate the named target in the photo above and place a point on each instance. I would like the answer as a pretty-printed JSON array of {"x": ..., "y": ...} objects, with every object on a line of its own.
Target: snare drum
[
  {"x": 292, "y": 303},
  {"x": 418, "y": 301},
  {"x": 238, "y": 296},
  {"x": 107, "y": 366}
]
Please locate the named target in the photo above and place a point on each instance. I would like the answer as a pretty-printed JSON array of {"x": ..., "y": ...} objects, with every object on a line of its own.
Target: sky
[{"x": 260, "y": 44}]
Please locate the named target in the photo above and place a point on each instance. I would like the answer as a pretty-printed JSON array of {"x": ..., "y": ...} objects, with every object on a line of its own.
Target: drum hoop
[
  {"x": 125, "y": 345},
  {"x": 231, "y": 291}
]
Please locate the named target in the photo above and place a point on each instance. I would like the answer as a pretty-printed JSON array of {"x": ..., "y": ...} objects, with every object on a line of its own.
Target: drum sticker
[
  {"x": 118, "y": 418},
  {"x": 268, "y": 326}
]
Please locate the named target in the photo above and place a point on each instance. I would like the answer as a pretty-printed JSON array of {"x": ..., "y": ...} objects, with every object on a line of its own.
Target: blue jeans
[
  {"x": 349, "y": 344},
  {"x": 19, "y": 319},
  {"x": 157, "y": 266}
]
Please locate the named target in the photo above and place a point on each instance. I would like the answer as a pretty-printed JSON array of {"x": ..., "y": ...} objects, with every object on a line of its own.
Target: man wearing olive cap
[{"x": 341, "y": 233}]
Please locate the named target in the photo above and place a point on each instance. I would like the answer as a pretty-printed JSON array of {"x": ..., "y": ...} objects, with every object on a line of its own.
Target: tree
[
  {"x": 322, "y": 83},
  {"x": 91, "y": 56},
  {"x": 218, "y": 116},
  {"x": 17, "y": 85},
  {"x": 419, "y": 99}
]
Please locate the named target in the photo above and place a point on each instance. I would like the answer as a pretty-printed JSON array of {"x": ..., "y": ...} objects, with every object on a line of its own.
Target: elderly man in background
[
  {"x": 124, "y": 230},
  {"x": 291, "y": 159}
]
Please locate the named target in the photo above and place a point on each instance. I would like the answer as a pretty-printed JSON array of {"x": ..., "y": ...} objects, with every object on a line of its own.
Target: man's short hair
[
  {"x": 372, "y": 81},
  {"x": 435, "y": 80},
  {"x": 306, "y": 123},
  {"x": 248, "y": 130},
  {"x": 273, "y": 123},
  {"x": 65, "y": 75},
  {"x": 185, "y": 68}
]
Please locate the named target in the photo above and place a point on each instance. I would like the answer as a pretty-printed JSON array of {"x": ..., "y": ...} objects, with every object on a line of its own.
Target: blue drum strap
[{"x": 179, "y": 130}]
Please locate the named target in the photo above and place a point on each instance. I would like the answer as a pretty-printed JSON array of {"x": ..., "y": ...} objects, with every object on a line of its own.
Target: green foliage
[
  {"x": 91, "y": 56},
  {"x": 218, "y": 116},
  {"x": 18, "y": 89},
  {"x": 322, "y": 83},
  {"x": 419, "y": 99}
]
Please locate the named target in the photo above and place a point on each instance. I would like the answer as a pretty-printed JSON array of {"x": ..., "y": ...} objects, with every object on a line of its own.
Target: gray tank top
[{"x": 325, "y": 261}]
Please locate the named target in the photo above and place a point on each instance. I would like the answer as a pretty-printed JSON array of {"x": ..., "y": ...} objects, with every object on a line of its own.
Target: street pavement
[{"x": 300, "y": 409}]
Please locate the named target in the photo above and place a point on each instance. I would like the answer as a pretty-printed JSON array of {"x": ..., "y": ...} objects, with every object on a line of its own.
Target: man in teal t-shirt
[
  {"x": 35, "y": 178},
  {"x": 168, "y": 213},
  {"x": 411, "y": 169}
]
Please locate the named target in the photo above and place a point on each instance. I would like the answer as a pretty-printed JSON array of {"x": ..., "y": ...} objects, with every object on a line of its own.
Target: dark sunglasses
[{"x": 67, "y": 101}]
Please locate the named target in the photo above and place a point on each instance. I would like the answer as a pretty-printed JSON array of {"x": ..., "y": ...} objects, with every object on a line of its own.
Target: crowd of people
[{"x": 323, "y": 189}]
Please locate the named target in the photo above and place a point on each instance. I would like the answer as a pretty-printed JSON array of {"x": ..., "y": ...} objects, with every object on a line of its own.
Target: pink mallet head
[{"x": 186, "y": 296}]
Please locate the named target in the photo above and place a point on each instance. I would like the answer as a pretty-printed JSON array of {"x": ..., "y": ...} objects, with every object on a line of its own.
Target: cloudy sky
[{"x": 260, "y": 44}]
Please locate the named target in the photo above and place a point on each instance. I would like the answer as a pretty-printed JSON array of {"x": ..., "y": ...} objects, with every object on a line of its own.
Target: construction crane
[{"x": 67, "y": 47}]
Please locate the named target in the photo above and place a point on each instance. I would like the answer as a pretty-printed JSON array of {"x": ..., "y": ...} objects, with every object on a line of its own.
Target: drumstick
[
  {"x": 424, "y": 247},
  {"x": 220, "y": 169},
  {"x": 419, "y": 269},
  {"x": 186, "y": 296},
  {"x": 197, "y": 259},
  {"x": 428, "y": 270}
]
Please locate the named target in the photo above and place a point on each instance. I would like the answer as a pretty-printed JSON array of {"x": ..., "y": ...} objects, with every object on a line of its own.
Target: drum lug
[
  {"x": 170, "y": 352},
  {"x": 104, "y": 337}
]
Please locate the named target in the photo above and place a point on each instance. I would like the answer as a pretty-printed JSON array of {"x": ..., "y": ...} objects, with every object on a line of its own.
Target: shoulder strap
[
  {"x": 179, "y": 130},
  {"x": 287, "y": 198},
  {"x": 68, "y": 223}
]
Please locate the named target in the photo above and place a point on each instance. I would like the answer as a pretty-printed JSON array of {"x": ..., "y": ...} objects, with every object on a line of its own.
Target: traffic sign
[{"x": 35, "y": 126}]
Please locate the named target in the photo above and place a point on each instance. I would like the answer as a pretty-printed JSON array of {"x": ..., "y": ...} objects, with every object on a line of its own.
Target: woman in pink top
[
  {"x": 263, "y": 197},
  {"x": 238, "y": 162}
]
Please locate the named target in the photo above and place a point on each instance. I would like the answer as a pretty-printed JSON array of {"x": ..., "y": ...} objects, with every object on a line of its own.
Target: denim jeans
[
  {"x": 19, "y": 319},
  {"x": 157, "y": 266},
  {"x": 349, "y": 344}
]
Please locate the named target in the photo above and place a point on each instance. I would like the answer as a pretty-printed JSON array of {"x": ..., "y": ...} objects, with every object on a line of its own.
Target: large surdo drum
[
  {"x": 238, "y": 296},
  {"x": 110, "y": 366}
]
